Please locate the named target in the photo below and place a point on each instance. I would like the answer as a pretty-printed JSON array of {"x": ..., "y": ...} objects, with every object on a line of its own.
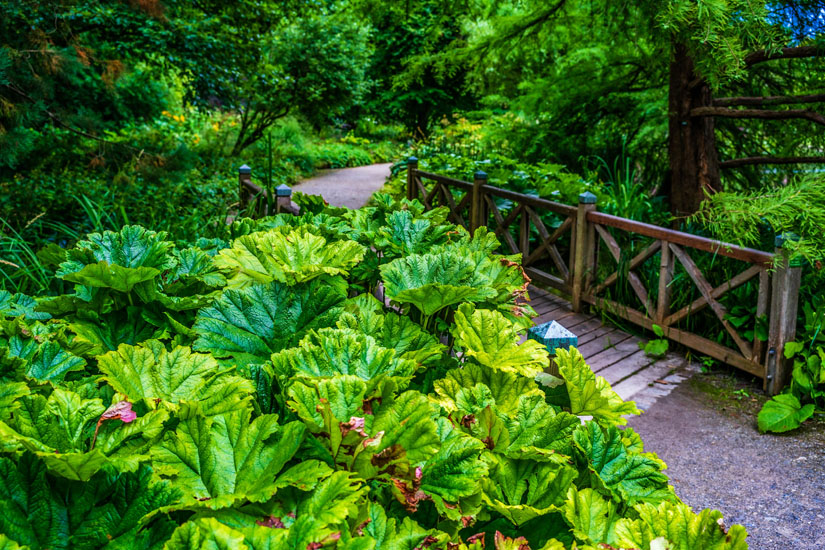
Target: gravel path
[
  {"x": 774, "y": 485},
  {"x": 350, "y": 187}
]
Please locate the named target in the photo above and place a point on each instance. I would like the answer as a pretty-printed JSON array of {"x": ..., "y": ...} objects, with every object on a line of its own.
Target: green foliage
[
  {"x": 657, "y": 347},
  {"x": 189, "y": 409},
  {"x": 796, "y": 209}
]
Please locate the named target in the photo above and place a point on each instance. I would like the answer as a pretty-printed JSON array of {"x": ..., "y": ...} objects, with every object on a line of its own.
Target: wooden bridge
[{"x": 686, "y": 285}]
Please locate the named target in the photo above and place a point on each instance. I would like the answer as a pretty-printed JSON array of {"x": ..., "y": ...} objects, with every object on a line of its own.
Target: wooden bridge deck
[{"x": 613, "y": 353}]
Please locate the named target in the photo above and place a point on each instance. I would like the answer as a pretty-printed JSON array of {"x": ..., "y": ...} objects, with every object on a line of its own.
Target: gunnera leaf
[
  {"x": 629, "y": 476},
  {"x": 150, "y": 372},
  {"x": 288, "y": 256},
  {"x": 431, "y": 282},
  {"x": 783, "y": 413},
  {"x": 591, "y": 395},
  {"x": 490, "y": 339},
  {"x": 253, "y": 323},
  {"x": 227, "y": 457},
  {"x": 41, "y": 511},
  {"x": 680, "y": 528}
]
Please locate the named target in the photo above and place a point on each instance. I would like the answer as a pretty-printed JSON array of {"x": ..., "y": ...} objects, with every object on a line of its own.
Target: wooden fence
[
  {"x": 563, "y": 247},
  {"x": 256, "y": 201}
]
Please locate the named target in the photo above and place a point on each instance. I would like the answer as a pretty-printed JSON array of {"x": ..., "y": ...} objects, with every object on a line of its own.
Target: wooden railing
[
  {"x": 563, "y": 247},
  {"x": 257, "y": 202}
]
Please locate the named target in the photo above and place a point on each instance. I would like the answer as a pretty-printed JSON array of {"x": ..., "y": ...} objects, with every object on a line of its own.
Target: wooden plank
[
  {"x": 704, "y": 287},
  {"x": 762, "y": 301},
  {"x": 643, "y": 378},
  {"x": 627, "y": 367},
  {"x": 693, "y": 341},
  {"x": 596, "y": 333},
  {"x": 452, "y": 182},
  {"x": 618, "y": 352},
  {"x": 684, "y": 239},
  {"x": 718, "y": 292},
  {"x": 524, "y": 234},
  {"x": 542, "y": 277}
]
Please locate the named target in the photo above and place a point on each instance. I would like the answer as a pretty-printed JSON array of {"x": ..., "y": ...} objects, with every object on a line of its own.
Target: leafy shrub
[{"x": 250, "y": 391}]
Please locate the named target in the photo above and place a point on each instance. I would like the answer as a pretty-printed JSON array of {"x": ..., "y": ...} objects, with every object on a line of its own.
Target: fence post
[
  {"x": 283, "y": 194},
  {"x": 665, "y": 277},
  {"x": 244, "y": 175},
  {"x": 477, "y": 213},
  {"x": 412, "y": 166},
  {"x": 585, "y": 249},
  {"x": 782, "y": 323}
]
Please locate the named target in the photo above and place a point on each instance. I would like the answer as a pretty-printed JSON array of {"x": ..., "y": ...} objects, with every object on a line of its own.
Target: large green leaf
[
  {"x": 591, "y": 395},
  {"x": 522, "y": 490},
  {"x": 629, "y": 476},
  {"x": 227, "y": 457},
  {"x": 391, "y": 331},
  {"x": 505, "y": 387},
  {"x": 490, "y": 339},
  {"x": 287, "y": 256},
  {"x": 60, "y": 431},
  {"x": 329, "y": 352},
  {"x": 782, "y": 413},
  {"x": 15, "y": 305},
  {"x": 152, "y": 373},
  {"x": 404, "y": 234},
  {"x": 42, "y": 512},
  {"x": 43, "y": 362},
  {"x": 106, "y": 275},
  {"x": 679, "y": 527},
  {"x": 592, "y": 517},
  {"x": 253, "y": 323},
  {"x": 431, "y": 282}
]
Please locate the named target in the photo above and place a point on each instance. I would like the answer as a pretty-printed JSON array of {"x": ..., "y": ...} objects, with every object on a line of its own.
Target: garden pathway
[
  {"x": 350, "y": 187},
  {"x": 615, "y": 354}
]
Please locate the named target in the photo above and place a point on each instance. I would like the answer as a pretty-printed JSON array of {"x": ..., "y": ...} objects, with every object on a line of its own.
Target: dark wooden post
[
  {"x": 412, "y": 166},
  {"x": 665, "y": 277},
  {"x": 244, "y": 176},
  {"x": 782, "y": 323},
  {"x": 524, "y": 235},
  {"x": 585, "y": 253},
  {"x": 283, "y": 194},
  {"x": 478, "y": 216}
]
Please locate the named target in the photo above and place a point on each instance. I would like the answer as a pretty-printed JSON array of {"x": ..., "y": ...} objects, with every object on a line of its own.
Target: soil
[
  {"x": 350, "y": 187},
  {"x": 773, "y": 484}
]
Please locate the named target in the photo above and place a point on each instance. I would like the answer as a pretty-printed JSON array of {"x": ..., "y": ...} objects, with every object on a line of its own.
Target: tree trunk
[{"x": 694, "y": 162}]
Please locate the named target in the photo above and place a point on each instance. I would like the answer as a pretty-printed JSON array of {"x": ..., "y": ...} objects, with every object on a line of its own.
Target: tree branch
[
  {"x": 758, "y": 113},
  {"x": 770, "y": 160},
  {"x": 785, "y": 53},
  {"x": 768, "y": 100}
]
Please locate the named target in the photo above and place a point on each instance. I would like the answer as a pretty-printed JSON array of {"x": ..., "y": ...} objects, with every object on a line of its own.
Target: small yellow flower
[
  {"x": 166, "y": 113},
  {"x": 197, "y": 139},
  {"x": 215, "y": 126}
]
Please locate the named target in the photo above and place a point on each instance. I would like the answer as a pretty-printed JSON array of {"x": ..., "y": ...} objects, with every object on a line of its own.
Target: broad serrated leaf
[
  {"x": 591, "y": 395},
  {"x": 431, "y": 282},
  {"x": 591, "y": 516},
  {"x": 226, "y": 457},
  {"x": 253, "y": 323},
  {"x": 290, "y": 257},
  {"x": 630, "y": 477},
  {"x": 782, "y": 413},
  {"x": 680, "y": 528},
  {"x": 490, "y": 339},
  {"x": 505, "y": 387}
]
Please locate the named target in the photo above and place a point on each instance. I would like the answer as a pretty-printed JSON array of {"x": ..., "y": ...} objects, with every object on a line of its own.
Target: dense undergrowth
[{"x": 250, "y": 391}]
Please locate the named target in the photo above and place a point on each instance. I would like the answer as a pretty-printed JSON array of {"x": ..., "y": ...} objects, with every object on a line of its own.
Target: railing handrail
[{"x": 743, "y": 253}]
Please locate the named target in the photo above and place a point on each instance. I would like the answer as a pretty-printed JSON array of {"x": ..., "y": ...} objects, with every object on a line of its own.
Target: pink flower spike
[{"x": 121, "y": 410}]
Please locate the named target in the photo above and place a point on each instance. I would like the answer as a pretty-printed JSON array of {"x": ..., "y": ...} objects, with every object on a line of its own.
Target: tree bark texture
[{"x": 694, "y": 162}]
